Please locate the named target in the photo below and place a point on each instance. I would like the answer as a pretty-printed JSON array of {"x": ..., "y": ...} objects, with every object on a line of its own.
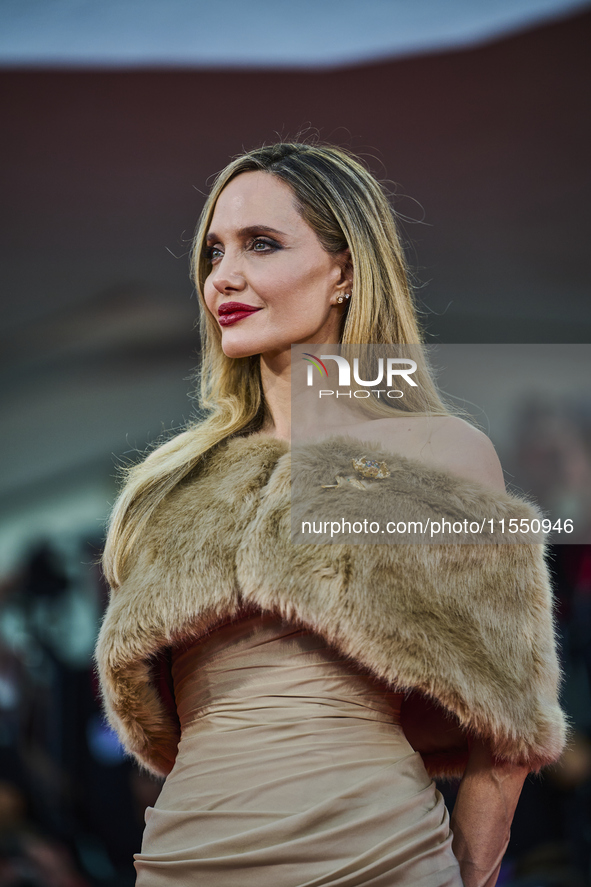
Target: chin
[
  {"x": 241, "y": 345},
  {"x": 239, "y": 349}
]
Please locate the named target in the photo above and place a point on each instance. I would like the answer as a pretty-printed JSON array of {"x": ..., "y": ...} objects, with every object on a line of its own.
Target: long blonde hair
[{"x": 347, "y": 208}]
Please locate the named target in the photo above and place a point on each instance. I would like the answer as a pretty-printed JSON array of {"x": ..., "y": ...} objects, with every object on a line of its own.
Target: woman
[{"x": 300, "y": 679}]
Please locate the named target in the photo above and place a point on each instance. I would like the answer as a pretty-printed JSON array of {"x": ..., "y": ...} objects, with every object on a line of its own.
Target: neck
[
  {"x": 311, "y": 419},
  {"x": 276, "y": 380}
]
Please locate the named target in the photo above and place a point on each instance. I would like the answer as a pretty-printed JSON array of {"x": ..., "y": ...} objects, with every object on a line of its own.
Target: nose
[{"x": 227, "y": 277}]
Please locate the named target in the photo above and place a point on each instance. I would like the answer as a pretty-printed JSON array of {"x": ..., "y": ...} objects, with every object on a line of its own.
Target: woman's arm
[
  {"x": 482, "y": 815},
  {"x": 489, "y": 789}
]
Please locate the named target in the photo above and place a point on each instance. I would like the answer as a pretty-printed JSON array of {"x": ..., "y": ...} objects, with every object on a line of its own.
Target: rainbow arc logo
[{"x": 315, "y": 362}]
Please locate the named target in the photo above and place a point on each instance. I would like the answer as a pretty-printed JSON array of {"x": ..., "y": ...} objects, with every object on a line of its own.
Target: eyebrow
[{"x": 249, "y": 231}]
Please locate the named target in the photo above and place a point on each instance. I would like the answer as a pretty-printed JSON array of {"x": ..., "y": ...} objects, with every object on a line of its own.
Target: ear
[{"x": 345, "y": 282}]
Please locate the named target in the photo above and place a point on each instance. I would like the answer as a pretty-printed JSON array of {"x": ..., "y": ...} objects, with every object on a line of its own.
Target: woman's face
[{"x": 271, "y": 283}]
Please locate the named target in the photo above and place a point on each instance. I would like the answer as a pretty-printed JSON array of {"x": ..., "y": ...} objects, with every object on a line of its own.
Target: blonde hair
[{"x": 347, "y": 208}]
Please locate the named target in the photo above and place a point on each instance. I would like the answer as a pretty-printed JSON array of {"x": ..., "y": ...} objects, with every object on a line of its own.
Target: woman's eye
[
  {"x": 215, "y": 253},
  {"x": 264, "y": 246},
  {"x": 212, "y": 253}
]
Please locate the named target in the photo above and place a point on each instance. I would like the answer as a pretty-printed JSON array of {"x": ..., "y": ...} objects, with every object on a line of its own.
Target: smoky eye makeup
[
  {"x": 255, "y": 244},
  {"x": 268, "y": 243},
  {"x": 209, "y": 252}
]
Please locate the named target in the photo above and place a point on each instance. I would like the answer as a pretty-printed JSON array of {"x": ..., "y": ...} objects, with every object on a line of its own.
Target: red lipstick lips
[{"x": 232, "y": 312}]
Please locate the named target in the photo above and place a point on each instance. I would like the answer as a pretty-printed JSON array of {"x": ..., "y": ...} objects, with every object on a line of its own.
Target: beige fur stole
[{"x": 467, "y": 627}]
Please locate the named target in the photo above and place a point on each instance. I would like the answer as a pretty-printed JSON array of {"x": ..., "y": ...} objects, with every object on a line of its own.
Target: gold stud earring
[{"x": 341, "y": 299}]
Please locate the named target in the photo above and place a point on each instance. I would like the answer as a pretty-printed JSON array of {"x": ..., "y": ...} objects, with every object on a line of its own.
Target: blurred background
[{"x": 115, "y": 115}]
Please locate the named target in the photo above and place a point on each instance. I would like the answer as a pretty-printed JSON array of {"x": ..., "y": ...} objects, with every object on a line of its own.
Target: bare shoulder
[
  {"x": 442, "y": 441},
  {"x": 466, "y": 451}
]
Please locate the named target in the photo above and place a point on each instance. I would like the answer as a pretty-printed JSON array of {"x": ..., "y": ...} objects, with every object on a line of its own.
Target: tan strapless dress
[{"x": 292, "y": 771}]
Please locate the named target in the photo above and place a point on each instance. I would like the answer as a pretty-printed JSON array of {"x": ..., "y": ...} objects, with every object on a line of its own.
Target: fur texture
[{"x": 466, "y": 627}]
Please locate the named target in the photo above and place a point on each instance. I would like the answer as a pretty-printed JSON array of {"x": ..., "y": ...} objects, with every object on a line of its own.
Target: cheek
[
  {"x": 209, "y": 294},
  {"x": 305, "y": 285}
]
